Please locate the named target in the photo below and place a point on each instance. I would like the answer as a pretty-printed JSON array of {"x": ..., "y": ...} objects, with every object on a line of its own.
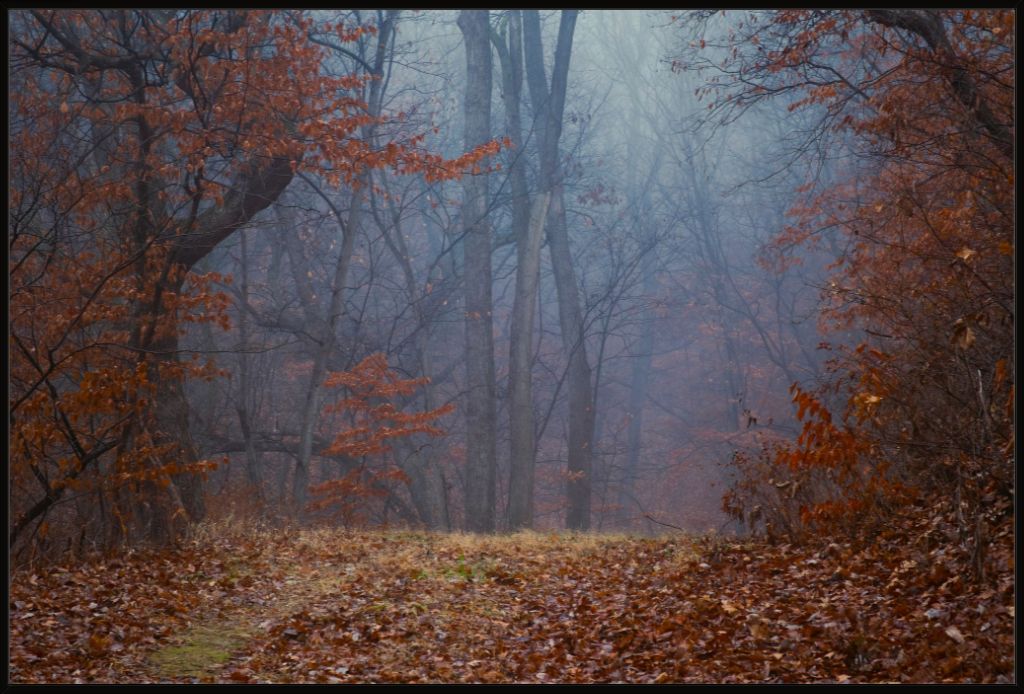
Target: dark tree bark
[
  {"x": 252, "y": 457},
  {"x": 165, "y": 511},
  {"x": 928, "y": 25},
  {"x": 527, "y": 228},
  {"x": 639, "y": 382},
  {"x": 481, "y": 418},
  {"x": 579, "y": 380},
  {"x": 548, "y": 108}
]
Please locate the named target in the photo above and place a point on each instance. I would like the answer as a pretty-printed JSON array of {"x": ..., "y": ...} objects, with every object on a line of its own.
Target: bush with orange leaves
[
  {"x": 372, "y": 391},
  {"x": 924, "y": 218}
]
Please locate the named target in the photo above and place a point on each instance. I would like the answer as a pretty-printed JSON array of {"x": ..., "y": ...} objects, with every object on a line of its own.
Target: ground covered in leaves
[{"x": 337, "y": 606}]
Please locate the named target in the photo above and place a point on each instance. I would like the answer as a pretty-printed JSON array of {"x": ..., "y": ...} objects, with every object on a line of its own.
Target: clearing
[{"x": 399, "y": 606}]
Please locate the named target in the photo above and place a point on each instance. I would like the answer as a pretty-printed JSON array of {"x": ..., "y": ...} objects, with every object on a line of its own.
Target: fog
[
  {"x": 511, "y": 345},
  {"x": 666, "y": 320},
  {"x": 692, "y": 345}
]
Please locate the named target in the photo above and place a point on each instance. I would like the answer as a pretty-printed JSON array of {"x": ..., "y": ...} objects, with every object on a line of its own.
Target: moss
[{"x": 205, "y": 648}]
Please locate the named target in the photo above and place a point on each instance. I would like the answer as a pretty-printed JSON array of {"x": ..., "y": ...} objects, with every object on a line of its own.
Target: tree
[
  {"x": 926, "y": 98},
  {"x": 144, "y": 139},
  {"x": 481, "y": 420},
  {"x": 372, "y": 390},
  {"x": 527, "y": 229},
  {"x": 348, "y": 227},
  {"x": 548, "y": 106}
]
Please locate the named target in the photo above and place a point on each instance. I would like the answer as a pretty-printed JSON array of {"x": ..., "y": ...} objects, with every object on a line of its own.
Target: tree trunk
[
  {"x": 548, "y": 109},
  {"x": 426, "y": 485},
  {"x": 170, "y": 508},
  {"x": 639, "y": 381},
  {"x": 164, "y": 510},
  {"x": 581, "y": 412},
  {"x": 252, "y": 459},
  {"x": 523, "y": 445},
  {"x": 326, "y": 328},
  {"x": 425, "y": 479},
  {"x": 528, "y": 230},
  {"x": 479, "y": 403}
]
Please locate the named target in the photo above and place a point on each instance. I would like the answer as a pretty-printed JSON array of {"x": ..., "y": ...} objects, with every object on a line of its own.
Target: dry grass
[{"x": 330, "y": 605}]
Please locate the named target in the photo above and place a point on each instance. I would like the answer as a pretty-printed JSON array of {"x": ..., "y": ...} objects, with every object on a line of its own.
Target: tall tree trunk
[
  {"x": 167, "y": 509},
  {"x": 581, "y": 411},
  {"x": 639, "y": 381},
  {"x": 481, "y": 418},
  {"x": 426, "y": 484},
  {"x": 182, "y": 499},
  {"x": 548, "y": 109},
  {"x": 522, "y": 426},
  {"x": 252, "y": 457},
  {"x": 528, "y": 230},
  {"x": 326, "y": 328},
  {"x": 160, "y": 512},
  {"x": 425, "y": 478},
  {"x": 323, "y": 330}
]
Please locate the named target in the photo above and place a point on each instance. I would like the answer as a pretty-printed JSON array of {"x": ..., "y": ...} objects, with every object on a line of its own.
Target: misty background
[{"x": 693, "y": 340}]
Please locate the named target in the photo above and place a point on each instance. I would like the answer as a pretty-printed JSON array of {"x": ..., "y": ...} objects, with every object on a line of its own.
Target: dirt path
[
  {"x": 267, "y": 589},
  {"x": 334, "y": 606},
  {"x": 445, "y": 602}
]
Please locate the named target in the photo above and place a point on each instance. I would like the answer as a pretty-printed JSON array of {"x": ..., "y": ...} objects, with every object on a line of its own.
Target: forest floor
[{"x": 338, "y": 606}]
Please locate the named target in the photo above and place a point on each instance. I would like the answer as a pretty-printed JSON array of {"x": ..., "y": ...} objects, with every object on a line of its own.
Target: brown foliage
[
  {"x": 372, "y": 390},
  {"x": 925, "y": 99},
  {"x": 140, "y": 139},
  {"x": 332, "y": 606}
]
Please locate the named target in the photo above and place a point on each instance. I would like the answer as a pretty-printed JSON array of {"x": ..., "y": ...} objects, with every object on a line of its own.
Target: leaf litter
[{"x": 333, "y": 606}]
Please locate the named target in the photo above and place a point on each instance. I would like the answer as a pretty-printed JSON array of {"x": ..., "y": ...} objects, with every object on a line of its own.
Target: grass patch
[{"x": 204, "y": 650}]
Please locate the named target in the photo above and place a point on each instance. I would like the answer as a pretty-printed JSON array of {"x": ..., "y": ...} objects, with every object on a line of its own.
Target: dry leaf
[{"x": 963, "y": 336}]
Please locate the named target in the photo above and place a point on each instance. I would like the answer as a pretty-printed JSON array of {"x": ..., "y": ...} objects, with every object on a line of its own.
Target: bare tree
[
  {"x": 481, "y": 419},
  {"x": 348, "y": 227},
  {"x": 548, "y": 107},
  {"x": 527, "y": 228}
]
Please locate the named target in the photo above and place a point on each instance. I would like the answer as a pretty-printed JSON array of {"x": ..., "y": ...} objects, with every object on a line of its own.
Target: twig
[{"x": 667, "y": 525}]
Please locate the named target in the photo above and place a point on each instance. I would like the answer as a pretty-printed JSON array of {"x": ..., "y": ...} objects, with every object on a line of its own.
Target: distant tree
[
  {"x": 548, "y": 105},
  {"x": 141, "y": 140},
  {"x": 481, "y": 419},
  {"x": 371, "y": 392},
  {"x": 927, "y": 214}
]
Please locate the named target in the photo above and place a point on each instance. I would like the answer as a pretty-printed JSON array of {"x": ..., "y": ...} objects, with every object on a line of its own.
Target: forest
[{"x": 511, "y": 346}]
